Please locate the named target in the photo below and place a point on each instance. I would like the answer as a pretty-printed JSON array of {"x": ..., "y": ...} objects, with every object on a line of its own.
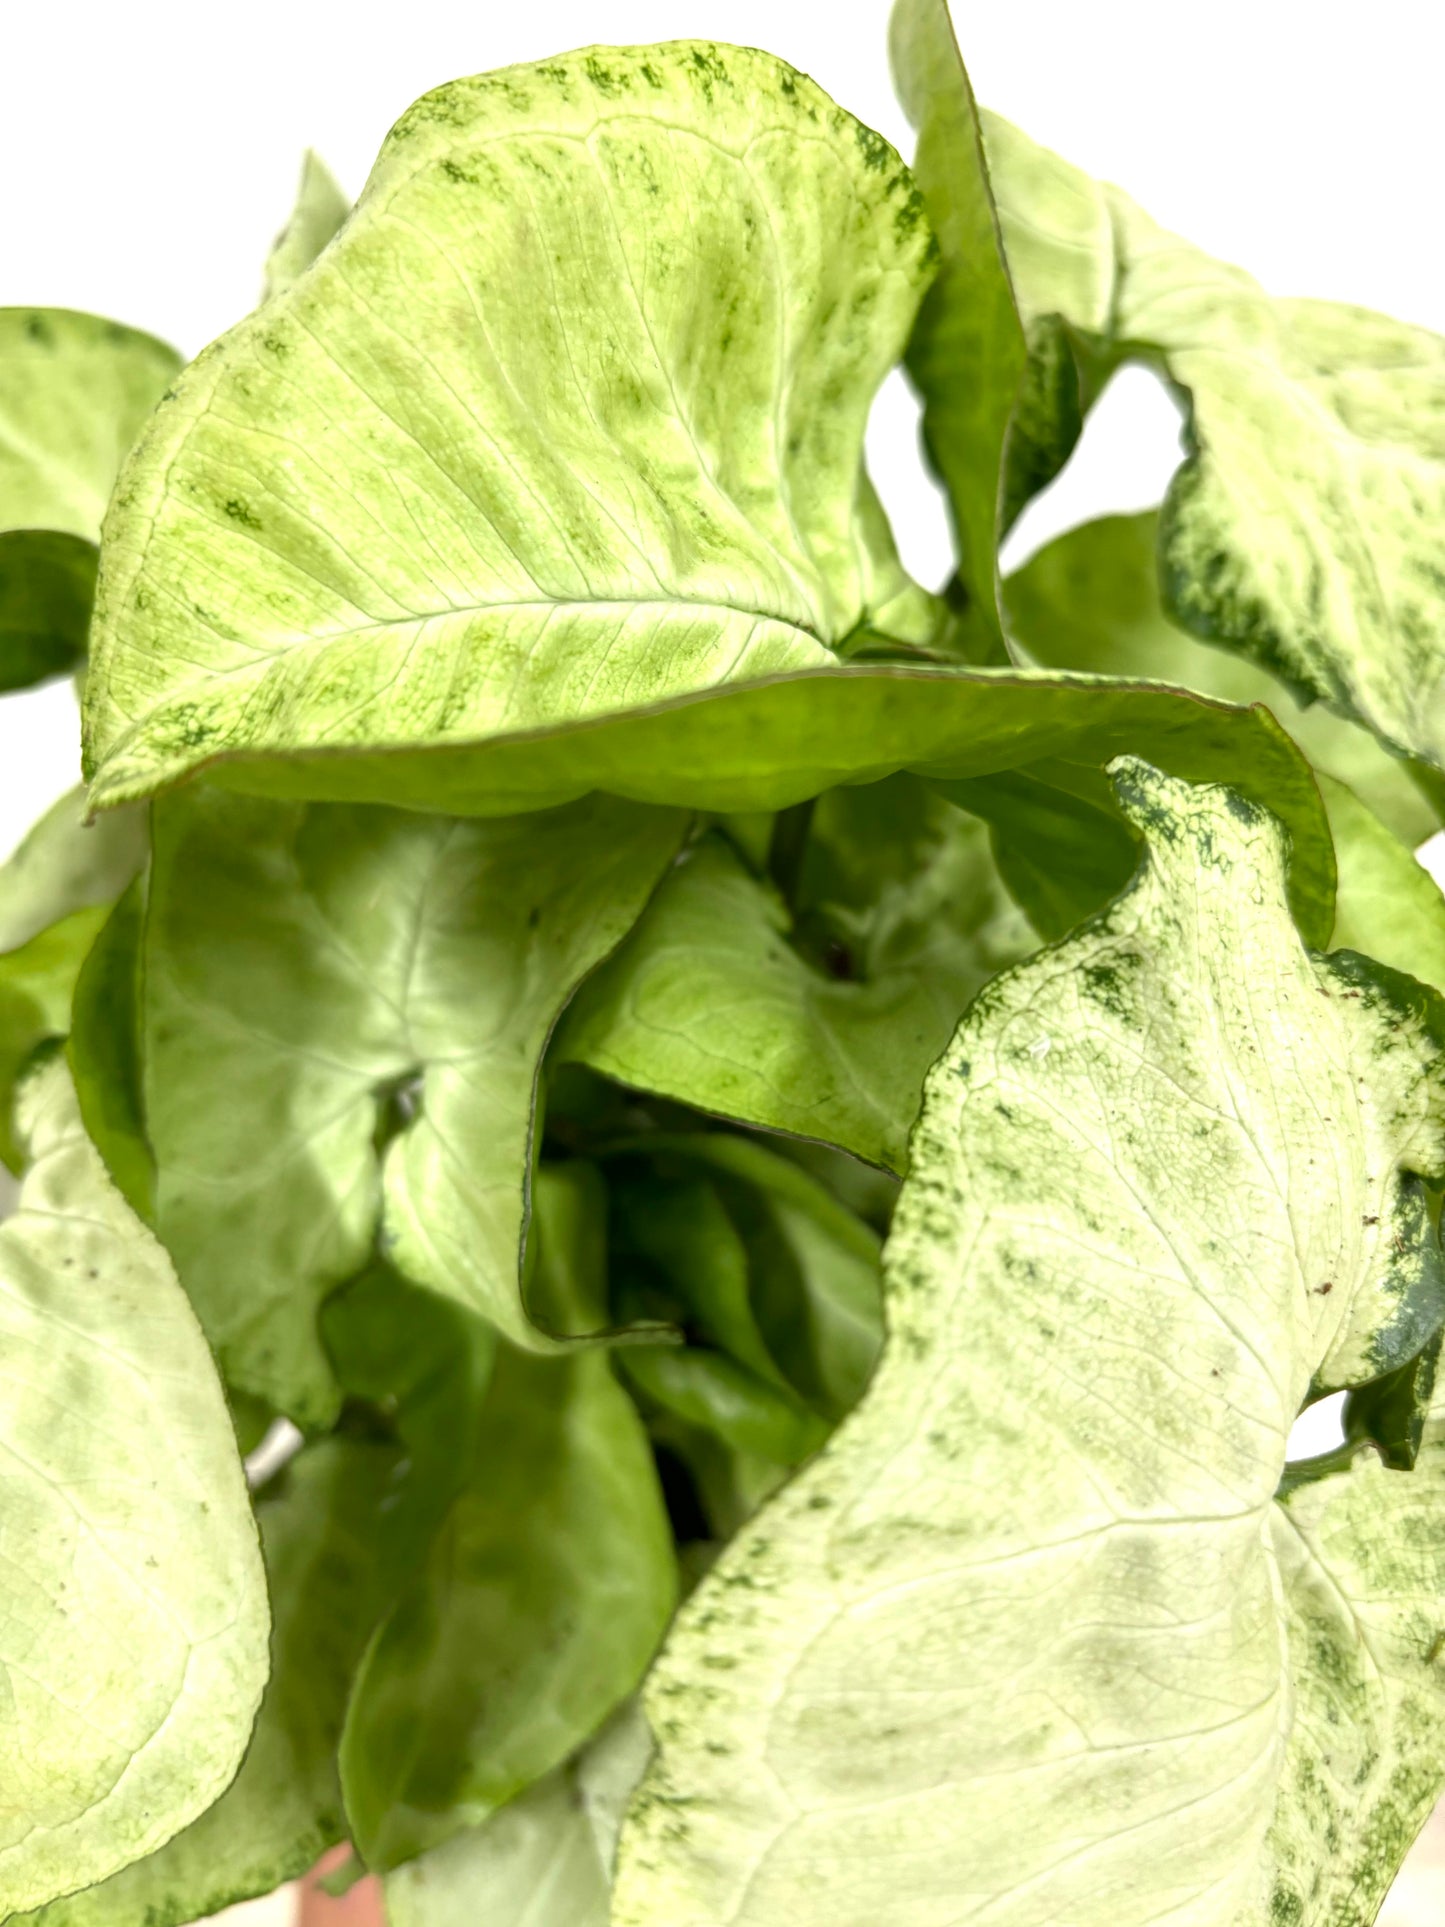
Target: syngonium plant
[{"x": 565, "y": 946}]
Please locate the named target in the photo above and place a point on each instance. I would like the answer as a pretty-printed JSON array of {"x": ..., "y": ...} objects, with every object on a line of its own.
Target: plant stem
[{"x": 787, "y": 848}]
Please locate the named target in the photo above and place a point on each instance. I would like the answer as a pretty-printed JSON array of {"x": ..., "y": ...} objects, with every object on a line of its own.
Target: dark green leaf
[
  {"x": 105, "y": 1051},
  {"x": 1392, "y": 1411},
  {"x": 47, "y": 586},
  {"x": 133, "y": 1614}
]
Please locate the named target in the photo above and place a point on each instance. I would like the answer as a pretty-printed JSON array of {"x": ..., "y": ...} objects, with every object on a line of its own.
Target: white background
[{"x": 149, "y": 150}]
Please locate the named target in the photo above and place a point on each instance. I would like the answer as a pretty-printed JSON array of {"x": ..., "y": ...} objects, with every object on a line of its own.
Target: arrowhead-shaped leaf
[
  {"x": 316, "y": 976},
  {"x": 133, "y": 1620},
  {"x": 1032, "y": 1640},
  {"x": 568, "y": 418}
]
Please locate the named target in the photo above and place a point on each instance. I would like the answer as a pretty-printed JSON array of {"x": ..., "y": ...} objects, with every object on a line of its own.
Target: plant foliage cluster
[{"x": 564, "y": 944}]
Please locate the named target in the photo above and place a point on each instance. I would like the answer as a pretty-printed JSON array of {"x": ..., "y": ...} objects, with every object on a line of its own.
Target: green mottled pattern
[
  {"x": 1090, "y": 600},
  {"x": 568, "y": 418},
  {"x": 306, "y": 967},
  {"x": 133, "y": 1620},
  {"x": 320, "y": 209},
  {"x": 712, "y": 1001},
  {"x": 1304, "y": 526},
  {"x": 1015, "y": 1645}
]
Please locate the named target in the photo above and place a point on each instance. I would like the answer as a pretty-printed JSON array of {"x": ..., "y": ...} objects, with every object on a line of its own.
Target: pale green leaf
[
  {"x": 1015, "y": 1646},
  {"x": 320, "y": 209},
  {"x": 714, "y": 1002},
  {"x": 967, "y": 354},
  {"x": 1388, "y": 905},
  {"x": 316, "y": 976},
  {"x": 343, "y": 1528},
  {"x": 133, "y": 1628},
  {"x": 283, "y": 1810},
  {"x": 66, "y": 864},
  {"x": 545, "y": 1860},
  {"x": 74, "y": 391},
  {"x": 1302, "y": 528},
  {"x": 36, "y": 985},
  {"x": 566, "y": 419},
  {"x": 533, "y": 1864}
]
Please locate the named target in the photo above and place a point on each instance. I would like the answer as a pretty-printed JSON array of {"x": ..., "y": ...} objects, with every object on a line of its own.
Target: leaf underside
[{"x": 308, "y": 971}]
